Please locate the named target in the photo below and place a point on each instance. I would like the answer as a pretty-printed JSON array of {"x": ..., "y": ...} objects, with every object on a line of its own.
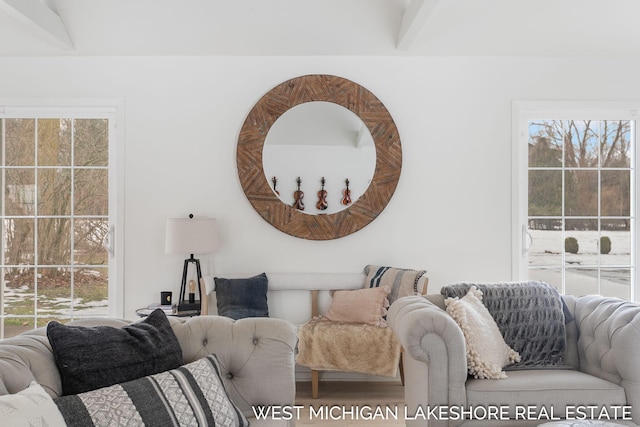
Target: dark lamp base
[{"x": 188, "y": 306}]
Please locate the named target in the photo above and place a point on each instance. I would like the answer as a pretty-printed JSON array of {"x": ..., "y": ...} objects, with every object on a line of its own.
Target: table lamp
[{"x": 191, "y": 236}]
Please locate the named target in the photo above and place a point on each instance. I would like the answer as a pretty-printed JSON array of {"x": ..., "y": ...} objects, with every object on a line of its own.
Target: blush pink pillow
[{"x": 367, "y": 305}]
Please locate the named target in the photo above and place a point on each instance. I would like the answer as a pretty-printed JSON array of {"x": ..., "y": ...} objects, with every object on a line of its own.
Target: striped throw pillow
[
  {"x": 192, "y": 394},
  {"x": 401, "y": 281}
]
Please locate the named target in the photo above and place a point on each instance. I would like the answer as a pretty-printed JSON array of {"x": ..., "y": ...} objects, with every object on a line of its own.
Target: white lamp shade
[{"x": 191, "y": 236}]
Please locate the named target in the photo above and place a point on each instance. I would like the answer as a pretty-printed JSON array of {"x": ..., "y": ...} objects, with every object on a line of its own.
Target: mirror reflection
[{"x": 324, "y": 145}]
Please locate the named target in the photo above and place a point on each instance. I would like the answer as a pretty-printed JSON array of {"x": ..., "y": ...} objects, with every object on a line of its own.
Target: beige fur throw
[{"x": 348, "y": 347}]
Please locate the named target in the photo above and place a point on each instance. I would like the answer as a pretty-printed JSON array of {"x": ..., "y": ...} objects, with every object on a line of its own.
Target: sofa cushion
[
  {"x": 190, "y": 395},
  {"x": 557, "y": 389},
  {"x": 487, "y": 353},
  {"x": 367, "y": 306},
  {"x": 402, "y": 282},
  {"x": 240, "y": 298},
  {"x": 92, "y": 357},
  {"x": 30, "y": 407}
]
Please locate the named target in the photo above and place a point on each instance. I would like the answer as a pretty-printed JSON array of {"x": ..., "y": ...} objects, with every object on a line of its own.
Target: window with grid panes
[
  {"x": 54, "y": 211},
  {"x": 579, "y": 231}
]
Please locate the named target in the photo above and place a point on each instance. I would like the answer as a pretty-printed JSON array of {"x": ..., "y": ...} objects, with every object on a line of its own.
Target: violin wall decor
[
  {"x": 329, "y": 196},
  {"x": 346, "y": 193},
  {"x": 298, "y": 195},
  {"x": 322, "y": 197}
]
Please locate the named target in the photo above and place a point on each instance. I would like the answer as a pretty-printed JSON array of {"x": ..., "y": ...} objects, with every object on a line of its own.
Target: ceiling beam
[
  {"x": 413, "y": 20},
  {"x": 36, "y": 14}
]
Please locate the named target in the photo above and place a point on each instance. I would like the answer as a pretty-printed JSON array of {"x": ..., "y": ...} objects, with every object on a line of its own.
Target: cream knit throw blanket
[{"x": 348, "y": 347}]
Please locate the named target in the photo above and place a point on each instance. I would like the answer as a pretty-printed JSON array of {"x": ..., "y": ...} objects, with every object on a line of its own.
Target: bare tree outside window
[
  {"x": 54, "y": 211},
  {"x": 580, "y": 174}
]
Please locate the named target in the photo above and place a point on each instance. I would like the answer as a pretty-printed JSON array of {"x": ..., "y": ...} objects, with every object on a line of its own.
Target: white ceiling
[{"x": 320, "y": 27}]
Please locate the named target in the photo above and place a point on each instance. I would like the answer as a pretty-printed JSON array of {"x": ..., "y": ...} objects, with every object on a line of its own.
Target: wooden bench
[{"x": 299, "y": 297}]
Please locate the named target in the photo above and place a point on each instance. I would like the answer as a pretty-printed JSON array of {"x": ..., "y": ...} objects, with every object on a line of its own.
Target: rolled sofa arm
[
  {"x": 28, "y": 357},
  {"x": 434, "y": 353},
  {"x": 257, "y": 356}
]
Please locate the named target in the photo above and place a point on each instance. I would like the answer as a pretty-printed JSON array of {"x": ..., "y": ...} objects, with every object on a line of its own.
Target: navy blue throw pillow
[
  {"x": 89, "y": 358},
  {"x": 240, "y": 298}
]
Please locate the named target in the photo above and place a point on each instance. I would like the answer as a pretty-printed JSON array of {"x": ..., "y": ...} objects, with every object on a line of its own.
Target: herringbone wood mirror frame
[{"x": 340, "y": 91}]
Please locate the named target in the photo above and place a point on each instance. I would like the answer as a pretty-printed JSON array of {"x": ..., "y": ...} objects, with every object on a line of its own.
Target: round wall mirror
[{"x": 256, "y": 177}]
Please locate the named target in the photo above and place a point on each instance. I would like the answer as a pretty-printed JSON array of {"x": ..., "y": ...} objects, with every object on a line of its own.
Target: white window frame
[
  {"x": 113, "y": 109},
  {"x": 525, "y": 111}
]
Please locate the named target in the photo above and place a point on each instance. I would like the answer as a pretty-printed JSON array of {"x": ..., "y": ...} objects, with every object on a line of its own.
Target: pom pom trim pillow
[
  {"x": 487, "y": 352},
  {"x": 367, "y": 306},
  {"x": 193, "y": 394}
]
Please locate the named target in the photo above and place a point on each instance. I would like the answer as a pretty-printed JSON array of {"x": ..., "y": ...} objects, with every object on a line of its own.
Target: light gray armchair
[
  {"x": 256, "y": 356},
  {"x": 602, "y": 354}
]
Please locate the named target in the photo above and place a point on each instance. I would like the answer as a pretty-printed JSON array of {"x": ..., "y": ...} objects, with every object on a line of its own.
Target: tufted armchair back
[
  {"x": 608, "y": 342},
  {"x": 256, "y": 355}
]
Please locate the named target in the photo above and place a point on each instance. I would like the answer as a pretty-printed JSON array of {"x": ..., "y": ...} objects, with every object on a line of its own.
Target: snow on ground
[{"x": 581, "y": 269}]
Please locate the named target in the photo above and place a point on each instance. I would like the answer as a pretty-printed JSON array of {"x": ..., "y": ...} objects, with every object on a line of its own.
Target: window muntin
[{"x": 54, "y": 214}]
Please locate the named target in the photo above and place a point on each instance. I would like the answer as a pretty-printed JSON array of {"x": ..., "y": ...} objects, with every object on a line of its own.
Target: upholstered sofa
[
  {"x": 256, "y": 360},
  {"x": 602, "y": 356}
]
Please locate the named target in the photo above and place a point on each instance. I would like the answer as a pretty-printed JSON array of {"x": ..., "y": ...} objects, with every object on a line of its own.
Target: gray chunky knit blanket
[{"x": 530, "y": 316}]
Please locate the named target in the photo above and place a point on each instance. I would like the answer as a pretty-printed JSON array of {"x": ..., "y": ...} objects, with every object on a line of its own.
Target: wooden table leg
[{"x": 314, "y": 383}]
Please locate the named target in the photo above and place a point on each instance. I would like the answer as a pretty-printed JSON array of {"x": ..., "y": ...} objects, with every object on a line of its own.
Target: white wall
[{"x": 451, "y": 210}]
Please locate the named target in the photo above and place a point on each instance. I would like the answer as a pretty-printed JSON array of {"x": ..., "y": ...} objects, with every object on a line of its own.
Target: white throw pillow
[
  {"x": 487, "y": 353},
  {"x": 30, "y": 407}
]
